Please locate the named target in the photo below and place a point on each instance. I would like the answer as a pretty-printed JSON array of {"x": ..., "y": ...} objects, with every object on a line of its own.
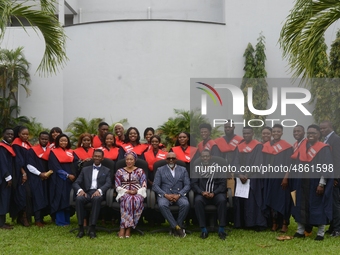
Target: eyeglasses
[{"x": 170, "y": 158}]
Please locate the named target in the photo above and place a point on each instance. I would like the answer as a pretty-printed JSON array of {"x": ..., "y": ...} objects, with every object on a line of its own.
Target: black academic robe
[
  {"x": 59, "y": 189},
  {"x": 6, "y": 169},
  {"x": 19, "y": 190},
  {"x": 275, "y": 197},
  {"x": 37, "y": 185},
  {"x": 249, "y": 212},
  {"x": 311, "y": 208}
]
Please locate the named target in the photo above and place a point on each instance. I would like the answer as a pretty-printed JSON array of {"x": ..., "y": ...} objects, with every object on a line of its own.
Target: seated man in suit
[
  {"x": 90, "y": 187},
  {"x": 171, "y": 183},
  {"x": 210, "y": 190}
]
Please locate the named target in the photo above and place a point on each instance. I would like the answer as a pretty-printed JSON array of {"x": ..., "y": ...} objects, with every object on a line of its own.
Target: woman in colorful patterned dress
[{"x": 131, "y": 188}]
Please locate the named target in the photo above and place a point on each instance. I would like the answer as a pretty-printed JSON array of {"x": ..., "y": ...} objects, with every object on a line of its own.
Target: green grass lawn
[{"x": 58, "y": 240}]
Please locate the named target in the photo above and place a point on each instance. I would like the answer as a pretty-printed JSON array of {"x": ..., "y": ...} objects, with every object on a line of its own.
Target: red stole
[
  {"x": 207, "y": 146},
  {"x": 297, "y": 146},
  {"x": 186, "y": 155},
  {"x": 150, "y": 157},
  {"x": 8, "y": 148},
  {"x": 118, "y": 141},
  {"x": 227, "y": 147},
  {"x": 138, "y": 149},
  {"x": 18, "y": 141},
  {"x": 248, "y": 147},
  {"x": 96, "y": 142},
  {"x": 51, "y": 145},
  {"x": 39, "y": 151},
  {"x": 308, "y": 156},
  {"x": 276, "y": 148},
  {"x": 63, "y": 156},
  {"x": 83, "y": 154},
  {"x": 110, "y": 154}
]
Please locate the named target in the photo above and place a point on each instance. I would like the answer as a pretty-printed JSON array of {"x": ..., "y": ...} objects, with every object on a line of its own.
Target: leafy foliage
[
  {"x": 13, "y": 73},
  {"x": 303, "y": 31},
  {"x": 43, "y": 20},
  {"x": 187, "y": 121},
  {"x": 255, "y": 78}
]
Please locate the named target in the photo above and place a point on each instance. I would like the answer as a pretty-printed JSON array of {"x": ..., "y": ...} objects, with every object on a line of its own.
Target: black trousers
[{"x": 81, "y": 201}]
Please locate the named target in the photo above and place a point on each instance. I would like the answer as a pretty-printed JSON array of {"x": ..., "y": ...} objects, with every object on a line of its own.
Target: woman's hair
[
  {"x": 54, "y": 129},
  {"x": 114, "y": 139},
  {"x": 157, "y": 137},
  {"x": 127, "y": 139},
  {"x": 81, "y": 137},
  {"x": 269, "y": 128},
  {"x": 147, "y": 130},
  {"x": 191, "y": 139},
  {"x": 58, "y": 139},
  {"x": 18, "y": 129}
]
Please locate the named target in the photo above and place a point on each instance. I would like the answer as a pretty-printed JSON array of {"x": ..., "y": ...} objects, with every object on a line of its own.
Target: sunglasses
[{"x": 170, "y": 158}]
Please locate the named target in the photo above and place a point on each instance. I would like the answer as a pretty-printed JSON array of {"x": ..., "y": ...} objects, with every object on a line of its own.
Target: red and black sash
[
  {"x": 207, "y": 146},
  {"x": 247, "y": 147},
  {"x": 227, "y": 147},
  {"x": 83, "y": 154},
  {"x": 138, "y": 149},
  {"x": 63, "y": 156},
  {"x": 18, "y": 141},
  {"x": 110, "y": 154},
  {"x": 150, "y": 157},
  {"x": 186, "y": 155},
  {"x": 308, "y": 155},
  {"x": 96, "y": 142},
  {"x": 297, "y": 146},
  {"x": 39, "y": 151},
  {"x": 118, "y": 141},
  {"x": 276, "y": 148},
  {"x": 8, "y": 148}
]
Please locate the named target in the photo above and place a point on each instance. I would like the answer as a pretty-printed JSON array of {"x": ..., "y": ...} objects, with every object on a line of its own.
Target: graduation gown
[
  {"x": 19, "y": 190},
  {"x": 228, "y": 147},
  {"x": 190, "y": 154},
  {"x": 7, "y": 165},
  {"x": 211, "y": 146},
  {"x": 276, "y": 154},
  {"x": 249, "y": 212},
  {"x": 311, "y": 208},
  {"x": 138, "y": 149},
  {"x": 38, "y": 158},
  {"x": 59, "y": 189}
]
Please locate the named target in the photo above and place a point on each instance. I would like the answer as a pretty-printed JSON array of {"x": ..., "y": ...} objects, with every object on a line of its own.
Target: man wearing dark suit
[
  {"x": 331, "y": 138},
  {"x": 210, "y": 190},
  {"x": 172, "y": 183},
  {"x": 90, "y": 187}
]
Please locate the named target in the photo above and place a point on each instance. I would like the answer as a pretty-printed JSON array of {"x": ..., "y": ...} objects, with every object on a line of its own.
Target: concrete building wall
[{"x": 141, "y": 70}]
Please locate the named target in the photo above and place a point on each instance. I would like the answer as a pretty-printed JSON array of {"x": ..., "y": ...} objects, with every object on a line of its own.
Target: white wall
[{"x": 141, "y": 70}]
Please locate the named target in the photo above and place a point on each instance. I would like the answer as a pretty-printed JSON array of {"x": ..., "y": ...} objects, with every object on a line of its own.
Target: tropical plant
[
  {"x": 302, "y": 34},
  {"x": 255, "y": 78},
  {"x": 13, "y": 73},
  {"x": 187, "y": 121},
  {"x": 43, "y": 20}
]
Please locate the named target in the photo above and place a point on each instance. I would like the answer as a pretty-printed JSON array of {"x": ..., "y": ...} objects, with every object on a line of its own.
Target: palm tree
[
  {"x": 302, "y": 34},
  {"x": 13, "y": 73},
  {"x": 43, "y": 20}
]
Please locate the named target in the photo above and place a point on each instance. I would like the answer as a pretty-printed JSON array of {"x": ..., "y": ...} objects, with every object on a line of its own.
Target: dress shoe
[
  {"x": 329, "y": 231},
  {"x": 319, "y": 238},
  {"x": 335, "y": 233},
  {"x": 80, "y": 234},
  {"x": 92, "y": 235},
  {"x": 39, "y": 224},
  {"x": 180, "y": 232},
  {"x": 6, "y": 226},
  {"x": 222, "y": 235},
  {"x": 298, "y": 235},
  {"x": 204, "y": 235}
]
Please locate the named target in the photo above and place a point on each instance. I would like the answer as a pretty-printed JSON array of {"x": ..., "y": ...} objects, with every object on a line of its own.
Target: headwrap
[{"x": 131, "y": 153}]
